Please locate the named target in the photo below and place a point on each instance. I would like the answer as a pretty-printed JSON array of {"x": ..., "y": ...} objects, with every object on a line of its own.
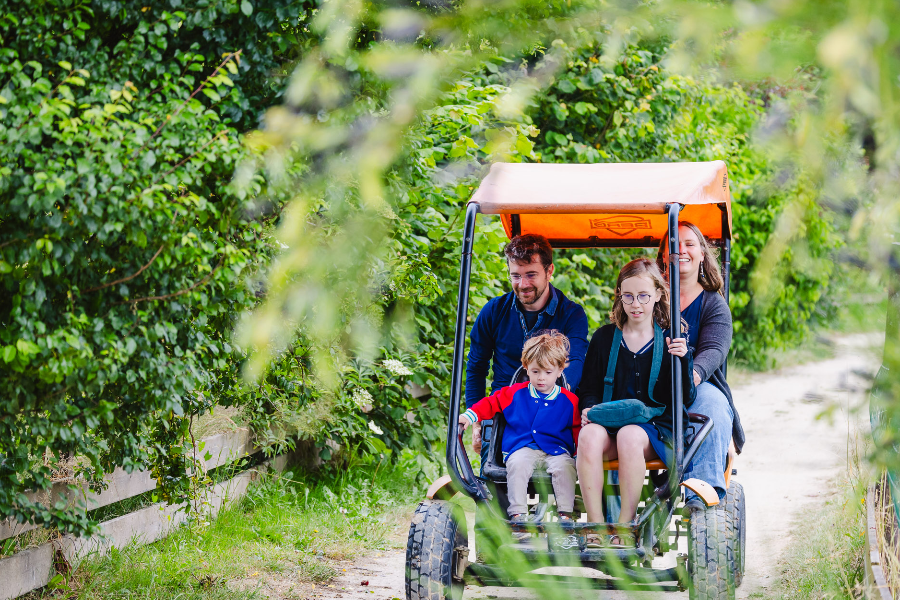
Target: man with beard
[{"x": 506, "y": 322}]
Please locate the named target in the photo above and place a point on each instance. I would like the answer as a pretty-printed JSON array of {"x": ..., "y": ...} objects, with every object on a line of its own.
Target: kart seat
[{"x": 494, "y": 467}]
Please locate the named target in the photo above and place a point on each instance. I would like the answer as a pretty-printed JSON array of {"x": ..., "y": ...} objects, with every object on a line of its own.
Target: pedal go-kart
[{"x": 584, "y": 206}]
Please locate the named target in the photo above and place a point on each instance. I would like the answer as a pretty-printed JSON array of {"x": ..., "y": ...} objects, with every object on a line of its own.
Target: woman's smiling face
[
  {"x": 637, "y": 289},
  {"x": 691, "y": 253}
]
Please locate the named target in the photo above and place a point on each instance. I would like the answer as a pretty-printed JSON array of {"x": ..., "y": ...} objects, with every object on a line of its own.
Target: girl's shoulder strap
[
  {"x": 611, "y": 365},
  {"x": 658, "y": 351}
]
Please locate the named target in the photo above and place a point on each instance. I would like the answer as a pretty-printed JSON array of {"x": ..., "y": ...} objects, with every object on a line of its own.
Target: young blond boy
[{"x": 542, "y": 424}]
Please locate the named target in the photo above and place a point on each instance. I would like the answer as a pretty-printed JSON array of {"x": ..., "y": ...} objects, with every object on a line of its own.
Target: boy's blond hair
[{"x": 550, "y": 349}]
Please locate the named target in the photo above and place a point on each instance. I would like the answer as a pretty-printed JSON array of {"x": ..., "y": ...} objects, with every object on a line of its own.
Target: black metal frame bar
[
  {"x": 675, "y": 332},
  {"x": 456, "y": 452},
  {"x": 726, "y": 269}
]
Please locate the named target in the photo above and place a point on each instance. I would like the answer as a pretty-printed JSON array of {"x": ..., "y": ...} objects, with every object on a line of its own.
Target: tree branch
[
  {"x": 174, "y": 294},
  {"x": 124, "y": 279},
  {"x": 16, "y": 240}
]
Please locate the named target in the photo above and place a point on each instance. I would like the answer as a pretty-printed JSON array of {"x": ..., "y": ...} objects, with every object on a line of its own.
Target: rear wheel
[
  {"x": 436, "y": 552},
  {"x": 737, "y": 515},
  {"x": 711, "y": 559}
]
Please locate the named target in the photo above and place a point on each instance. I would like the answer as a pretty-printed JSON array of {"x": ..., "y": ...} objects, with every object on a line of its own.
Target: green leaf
[
  {"x": 246, "y": 7},
  {"x": 458, "y": 149},
  {"x": 5, "y": 267},
  {"x": 566, "y": 86},
  {"x": 524, "y": 146},
  {"x": 9, "y": 353},
  {"x": 27, "y": 347},
  {"x": 148, "y": 159},
  {"x": 65, "y": 65}
]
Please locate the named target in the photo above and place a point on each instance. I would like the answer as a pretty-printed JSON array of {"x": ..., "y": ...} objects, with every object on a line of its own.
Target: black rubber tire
[
  {"x": 735, "y": 506},
  {"x": 437, "y": 530},
  {"x": 711, "y": 555}
]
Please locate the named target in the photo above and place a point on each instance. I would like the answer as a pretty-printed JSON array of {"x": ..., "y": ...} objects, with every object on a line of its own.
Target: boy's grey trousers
[{"x": 521, "y": 464}]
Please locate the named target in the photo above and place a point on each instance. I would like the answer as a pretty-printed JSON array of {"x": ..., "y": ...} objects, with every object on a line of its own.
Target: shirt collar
[
  {"x": 550, "y": 309},
  {"x": 550, "y": 396}
]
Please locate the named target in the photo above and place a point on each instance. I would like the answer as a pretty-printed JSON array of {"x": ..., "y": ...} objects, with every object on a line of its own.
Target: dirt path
[{"x": 790, "y": 458}]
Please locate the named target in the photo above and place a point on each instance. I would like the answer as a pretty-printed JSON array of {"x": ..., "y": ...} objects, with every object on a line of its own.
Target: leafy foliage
[{"x": 124, "y": 251}]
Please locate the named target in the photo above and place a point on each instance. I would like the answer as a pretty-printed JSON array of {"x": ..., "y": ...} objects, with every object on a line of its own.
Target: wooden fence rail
[
  {"x": 223, "y": 448},
  {"x": 33, "y": 568}
]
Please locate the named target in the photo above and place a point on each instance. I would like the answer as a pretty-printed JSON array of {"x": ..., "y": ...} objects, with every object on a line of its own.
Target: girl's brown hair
[
  {"x": 641, "y": 267},
  {"x": 710, "y": 277}
]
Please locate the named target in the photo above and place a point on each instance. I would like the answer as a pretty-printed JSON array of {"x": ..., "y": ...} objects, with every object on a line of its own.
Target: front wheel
[
  {"x": 711, "y": 558},
  {"x": 436, "y": 552}
]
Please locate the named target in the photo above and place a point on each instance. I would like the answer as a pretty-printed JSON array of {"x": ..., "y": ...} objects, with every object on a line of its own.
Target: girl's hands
[
  {"x": 584, "y": 417},
  {"x": 677, "y": 347},
  {"x": 463, "y": 423}
]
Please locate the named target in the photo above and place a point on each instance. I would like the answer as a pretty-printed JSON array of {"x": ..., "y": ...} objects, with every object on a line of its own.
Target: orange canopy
[{"x": 608, "y": 204}]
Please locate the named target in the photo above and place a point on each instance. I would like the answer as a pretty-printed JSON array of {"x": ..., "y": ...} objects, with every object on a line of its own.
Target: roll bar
[
  {"x": 675, "y": 331},
  {"x": 457, "y": 460}
]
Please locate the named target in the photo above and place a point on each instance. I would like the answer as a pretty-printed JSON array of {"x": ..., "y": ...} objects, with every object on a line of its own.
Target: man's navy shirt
[{"x": 500, "y": 332}]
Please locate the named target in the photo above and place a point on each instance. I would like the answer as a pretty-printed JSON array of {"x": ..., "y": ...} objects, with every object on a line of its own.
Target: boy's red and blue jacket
[{"x": 551, "y": 423}]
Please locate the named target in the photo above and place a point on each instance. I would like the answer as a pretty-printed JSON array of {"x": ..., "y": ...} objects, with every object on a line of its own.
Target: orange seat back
[{"x": 652, "y": 465}]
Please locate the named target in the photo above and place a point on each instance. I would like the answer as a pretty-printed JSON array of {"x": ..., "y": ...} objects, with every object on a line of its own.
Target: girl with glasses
[{"x": 642, "y": 372}]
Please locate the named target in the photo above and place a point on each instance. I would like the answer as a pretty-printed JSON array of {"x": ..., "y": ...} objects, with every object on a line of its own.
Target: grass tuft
[{"x": 826, "y": 562}]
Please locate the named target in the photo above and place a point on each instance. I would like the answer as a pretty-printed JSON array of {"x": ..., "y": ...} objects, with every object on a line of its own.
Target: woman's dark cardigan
[
  {"x": 590, "y": 391},
  {"x": 713, "y": 344}
]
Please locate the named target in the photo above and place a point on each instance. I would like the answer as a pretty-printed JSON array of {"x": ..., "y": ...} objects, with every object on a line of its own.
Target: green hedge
[{"x": 124, "y": 250}]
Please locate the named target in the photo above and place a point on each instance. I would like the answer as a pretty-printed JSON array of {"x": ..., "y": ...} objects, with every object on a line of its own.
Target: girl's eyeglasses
[{"x": 643, "y": 298}]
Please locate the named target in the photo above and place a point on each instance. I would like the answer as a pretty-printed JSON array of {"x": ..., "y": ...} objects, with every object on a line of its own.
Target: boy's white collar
[{"x": 551, "y": 396}]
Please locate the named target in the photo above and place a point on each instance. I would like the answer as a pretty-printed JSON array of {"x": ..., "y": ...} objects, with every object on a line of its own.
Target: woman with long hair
[{"x": 706, "y": 323}]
